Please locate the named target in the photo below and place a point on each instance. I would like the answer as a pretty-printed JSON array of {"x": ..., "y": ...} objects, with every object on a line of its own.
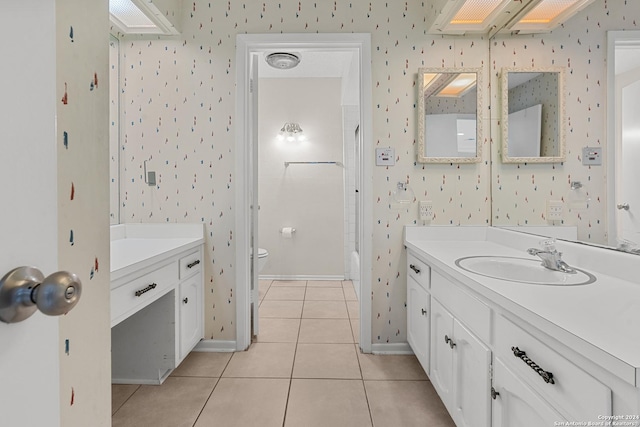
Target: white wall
[{"x": 309, "y": 198}]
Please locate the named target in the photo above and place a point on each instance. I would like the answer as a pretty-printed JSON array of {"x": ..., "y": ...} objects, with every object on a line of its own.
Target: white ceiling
[{"x": 313, "y": 63}]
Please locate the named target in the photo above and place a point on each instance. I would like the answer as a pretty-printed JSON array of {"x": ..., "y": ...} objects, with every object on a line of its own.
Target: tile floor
[{"x": 304, "y": 369}]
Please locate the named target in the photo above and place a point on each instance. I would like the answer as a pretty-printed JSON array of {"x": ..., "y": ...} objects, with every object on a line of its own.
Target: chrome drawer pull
[
  {"x": 193, "y": 264},
  {"x": 145, "y": 290},
  {"x": 546, "y": 376},
  {"x": 414, "y": 268},
  {"x": 449, "y": 341}
]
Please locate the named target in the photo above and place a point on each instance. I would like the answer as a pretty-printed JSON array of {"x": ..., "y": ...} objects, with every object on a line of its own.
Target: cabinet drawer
[
  {"x": 190, "y": 264},
  {"x": 418, "y": 270},
  {"x": 574, "y": 392},
  {"x": 468, "y": 309},
  {"x": 139, "y": 292}
]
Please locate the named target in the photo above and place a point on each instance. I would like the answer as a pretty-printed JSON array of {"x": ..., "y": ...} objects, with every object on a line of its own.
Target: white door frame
[
  {"x": 246, "y": 44},
  {"x": 614, "y": 38}
]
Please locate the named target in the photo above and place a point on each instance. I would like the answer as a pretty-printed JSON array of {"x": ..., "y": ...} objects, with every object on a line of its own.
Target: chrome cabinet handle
[
  {"x": 449, "y": 341},
  {"x": 546, "y": 376},
  {"x": 25, "y": 289},
  {"x": 622, "y": 206},
  {"x": 414, "y": 268},
  {"x": 193, "y": 264},
  {"x": 145, "y": 290}
]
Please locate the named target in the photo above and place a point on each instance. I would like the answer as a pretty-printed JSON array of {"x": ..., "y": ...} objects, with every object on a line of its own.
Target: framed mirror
[
  {"x": 449, "y": 115},
  {"x": 532, "y": 115}
]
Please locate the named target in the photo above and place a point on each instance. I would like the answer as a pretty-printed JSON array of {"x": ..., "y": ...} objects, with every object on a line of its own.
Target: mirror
[
  {"x": 532, "y": 115},
  {"x": 449, "y": 115}
]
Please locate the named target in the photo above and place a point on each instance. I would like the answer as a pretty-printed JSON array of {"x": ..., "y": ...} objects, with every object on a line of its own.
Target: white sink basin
[{"x": 522, "y": 270}]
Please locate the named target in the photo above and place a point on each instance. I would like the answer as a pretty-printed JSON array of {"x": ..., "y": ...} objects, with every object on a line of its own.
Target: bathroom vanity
[
  {"x": 507, "y": 352},
  {"x": 156, "y": 299}
]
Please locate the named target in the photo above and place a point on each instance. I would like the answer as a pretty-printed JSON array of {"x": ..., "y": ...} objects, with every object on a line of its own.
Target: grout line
[
  {"x": 127, "y": 399},
  {"x": 208, "y": 398},
  {"x": 295, "y": 352}
]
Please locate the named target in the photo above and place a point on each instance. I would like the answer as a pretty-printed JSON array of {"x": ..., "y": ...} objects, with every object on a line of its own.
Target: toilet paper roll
[{"x": 287, "y": 232}]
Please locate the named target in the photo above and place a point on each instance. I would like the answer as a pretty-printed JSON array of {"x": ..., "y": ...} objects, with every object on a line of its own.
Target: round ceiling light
[{"x": 282, "y": 60}]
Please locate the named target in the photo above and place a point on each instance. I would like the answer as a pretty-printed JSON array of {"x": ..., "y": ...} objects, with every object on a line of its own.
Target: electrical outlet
[
  {"x": 555, "y": 210},
  {"x": 426, "y": 210}
]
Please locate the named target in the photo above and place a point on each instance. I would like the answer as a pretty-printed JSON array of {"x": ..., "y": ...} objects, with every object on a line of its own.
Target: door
[
  {"x": 627, "y": 197},
  {"x": 441, "y": 351},
  {"x": 29, "y": 363},
  {"x": 516, "y": 404},
  {"x": 471, "y": 360},
  {"x": 418, "y": 322},
  {"x": 255, "y": 207},
  {"x": 190, "y": 314}
]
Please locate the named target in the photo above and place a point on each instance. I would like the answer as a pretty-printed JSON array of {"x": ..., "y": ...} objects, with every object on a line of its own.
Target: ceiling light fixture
[
  {"x": 283, "y": 60},
  {"x": 291, "y": 132}
]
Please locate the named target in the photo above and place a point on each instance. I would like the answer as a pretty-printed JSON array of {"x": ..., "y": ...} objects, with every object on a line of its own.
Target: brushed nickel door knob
[{"x": 25, "y": 289}]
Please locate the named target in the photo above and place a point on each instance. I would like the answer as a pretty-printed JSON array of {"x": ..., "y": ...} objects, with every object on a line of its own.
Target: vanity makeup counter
[
  {"x": 591, "y": 332},
  {"x": 156, "y": 299}
]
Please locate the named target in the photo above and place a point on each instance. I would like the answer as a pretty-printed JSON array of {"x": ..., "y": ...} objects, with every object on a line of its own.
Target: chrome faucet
[{"x": 552, "y": 259}]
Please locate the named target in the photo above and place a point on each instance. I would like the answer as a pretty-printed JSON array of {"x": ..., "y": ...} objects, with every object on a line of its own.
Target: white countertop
[
  {"x": 136, "y": 246},
  {"x": 599, "y": 320}
]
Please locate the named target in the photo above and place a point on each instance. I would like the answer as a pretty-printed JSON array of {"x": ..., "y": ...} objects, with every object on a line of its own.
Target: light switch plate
[
  {"x": 592, "y": 156},
  {"x": 385, "y": 156}
]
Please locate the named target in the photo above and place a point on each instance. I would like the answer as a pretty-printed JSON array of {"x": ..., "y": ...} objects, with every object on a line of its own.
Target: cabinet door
[
  {"x": 471, "y": 379},
  {"x": 418, "y": 322},
  {"x": 190, "y": 303},
  {"x": 441, "y": 372},
  {"x": 516, "y": 404}
]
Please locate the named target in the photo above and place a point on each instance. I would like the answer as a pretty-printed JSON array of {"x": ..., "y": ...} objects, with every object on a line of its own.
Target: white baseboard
[
  {"x": 300, "y": 277},
  {"x": 391, "y": 348},
  {"x": 215, "y": 346}
]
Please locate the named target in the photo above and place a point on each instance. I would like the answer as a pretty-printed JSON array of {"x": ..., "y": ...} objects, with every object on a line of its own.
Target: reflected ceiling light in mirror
[
  {"x": 544, "y": 15},
  {"x": 448, "y": 85},
  {"x": 291, "y": 132}
]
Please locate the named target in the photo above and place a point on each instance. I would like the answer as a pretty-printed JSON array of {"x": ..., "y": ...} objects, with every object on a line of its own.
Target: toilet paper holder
[{"x": 284, "y": 230}]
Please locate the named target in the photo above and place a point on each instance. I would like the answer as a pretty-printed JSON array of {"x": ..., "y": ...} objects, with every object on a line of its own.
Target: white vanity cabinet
[
  {"x": 156, "y": 300},
  {"x": 418, "y": 309},
  {"x": 460, "y": 366}
]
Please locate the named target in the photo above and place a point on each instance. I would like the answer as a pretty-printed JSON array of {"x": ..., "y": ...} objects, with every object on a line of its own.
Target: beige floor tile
[
  {"x": 285, "y": 293},
  {"x": 262, "y": 360},
  {"x": 176, "y": 403},
  {"x": 263, "y": 287},
  {"x": 246, "y": 402},
  {"x": 280, "y": 309},
  {"x": 202, "y": 364},
  {"x": 355, "y": 329},
  {"x": 391, "y": 367},
  {"x": 278, "y": 330},
  {"x": 337, "y": 361},
  {"x": 324, "y": 294},
  {"x": 325, "y": 310},
  {"x": 347, "y": 283},
  {"x": 120, "y": 393},
  {"x": 335, "y": 331},
  {"x": 322, "y": 403},
  {"x": 406, "y": 403},
  {"x": 350, "y": 294},
  {"x": 296, "y": 283},
  {"x": 324, "y": 283},
  {"x": 354, "y": 309}
]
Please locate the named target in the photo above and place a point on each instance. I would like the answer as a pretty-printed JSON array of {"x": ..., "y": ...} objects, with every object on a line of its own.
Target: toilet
[{"x": 262, "y": 258}]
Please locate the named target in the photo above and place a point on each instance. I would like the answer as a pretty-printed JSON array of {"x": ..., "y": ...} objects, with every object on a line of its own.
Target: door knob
[
  {"x": 622, "y": 206},
  {"x": 25, "y": 289}
]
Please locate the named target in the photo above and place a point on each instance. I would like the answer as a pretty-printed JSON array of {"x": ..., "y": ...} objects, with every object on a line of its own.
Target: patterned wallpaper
[
  {"x": 179, "y": 115},
  {"x": 520, "y": 191},
  {"x": 83, "y": 209},
  {"x": 179, "y": 103}
]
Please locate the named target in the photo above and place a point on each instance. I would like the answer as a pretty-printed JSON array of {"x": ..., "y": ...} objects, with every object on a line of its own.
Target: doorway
[
  {"x": 623, "y": 139},
  {"x": 248, "y": 49}
]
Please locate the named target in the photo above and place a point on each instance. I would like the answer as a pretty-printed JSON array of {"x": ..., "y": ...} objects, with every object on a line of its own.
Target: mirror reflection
[
  {"x": 532, "y": 120},
  {"x": 449, "y": 115}
]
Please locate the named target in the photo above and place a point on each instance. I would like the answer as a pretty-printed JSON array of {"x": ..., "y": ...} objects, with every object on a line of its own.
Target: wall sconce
[{"x": 291, "y": 132}]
